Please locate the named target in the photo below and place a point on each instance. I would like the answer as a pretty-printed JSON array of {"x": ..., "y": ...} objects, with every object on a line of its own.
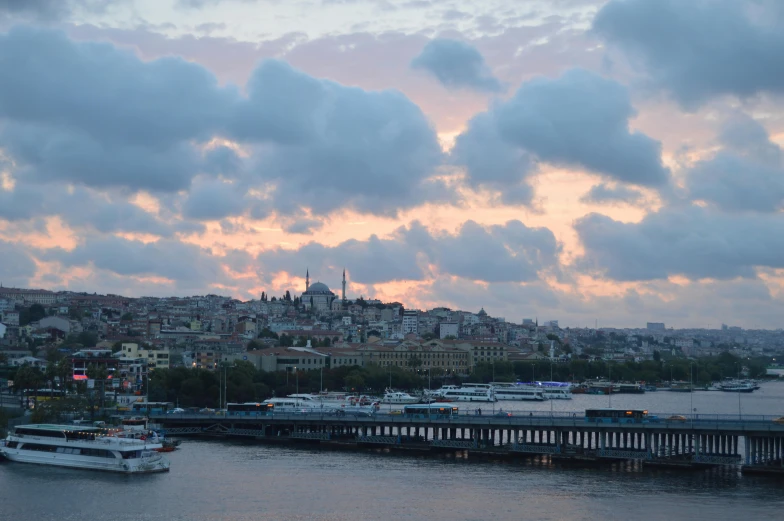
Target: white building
[
  {"x": 410, "y": 321},
  {"x": 2, "y": 330},
  {"x": 448, "y": 329}
]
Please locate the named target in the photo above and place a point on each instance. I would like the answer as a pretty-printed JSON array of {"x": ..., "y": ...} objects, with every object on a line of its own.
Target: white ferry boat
[
  {"x": 470, "y": 393},
  {"x": 298, "y": 403},
  {"x": 83, "y": 448},
  {"x": 519, "y": 392},
  {"x": 398, "y": 397},
  {"x": 556, "y": 390},
  {"x": 737, "y": 386}
]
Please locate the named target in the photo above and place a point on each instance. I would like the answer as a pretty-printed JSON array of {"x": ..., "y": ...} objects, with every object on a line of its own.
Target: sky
[{"x": 589, "y": 161}]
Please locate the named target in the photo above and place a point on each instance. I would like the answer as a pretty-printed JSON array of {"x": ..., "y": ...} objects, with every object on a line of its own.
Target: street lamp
[{"x": 297, "y": 375}]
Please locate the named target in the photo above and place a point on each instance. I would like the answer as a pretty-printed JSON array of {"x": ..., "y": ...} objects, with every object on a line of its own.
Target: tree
[
  {"x": 285, "y": 341},
  {"x": 32, "y": 314},
  {"x": 127, "y": 316},
  {"x": 268, "y": 333},
  {"x": 87, "y": 338},
  {"x": 287, "y": 296},
  {"x": 656, "y": 356},
  {"x": 28, "y": 377}
]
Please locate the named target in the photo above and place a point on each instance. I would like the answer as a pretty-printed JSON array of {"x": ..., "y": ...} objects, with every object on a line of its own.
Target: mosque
[{"x": 317, "y": 296}]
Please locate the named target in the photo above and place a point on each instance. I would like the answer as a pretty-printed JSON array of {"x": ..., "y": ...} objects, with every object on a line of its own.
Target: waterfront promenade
[{"x": 671, "y": 440}]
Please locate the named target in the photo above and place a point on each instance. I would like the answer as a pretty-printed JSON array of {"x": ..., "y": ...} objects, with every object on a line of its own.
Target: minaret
[
  {"x": 307, "y": 279},
  {"x": 344, "y": 284}
]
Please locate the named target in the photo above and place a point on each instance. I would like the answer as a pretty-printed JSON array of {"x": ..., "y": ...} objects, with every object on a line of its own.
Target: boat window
[
  {"x": 12, "y": 444},
  {"x": 21, "y": 431},
  {"x": 131, "y": 454},
  {"x": 39, "y": 447}
]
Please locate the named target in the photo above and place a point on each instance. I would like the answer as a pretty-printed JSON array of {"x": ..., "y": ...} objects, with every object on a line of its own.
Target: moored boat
[
  {"x": 83, "y": 448},
  {"x": 398, "y": 397},
  {"x": 736, "y": 386}
]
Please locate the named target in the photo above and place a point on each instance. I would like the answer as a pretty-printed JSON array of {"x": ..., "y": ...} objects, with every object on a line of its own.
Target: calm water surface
[{"x": 238, "y": 481}]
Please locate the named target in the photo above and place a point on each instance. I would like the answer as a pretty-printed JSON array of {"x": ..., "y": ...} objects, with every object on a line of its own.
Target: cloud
[
  {"x": 91, "y": 114},
  {"x": 212, "y": 200},
  {"x": 700, "y": 49},
  {"x": 48, "y": 10},
  {"x": 82, "y": 209},
  {"x": 17, "y": 267},
  {"x": 335, "y": 146},
  {"x": 511, "y": 252},
  {"x": 691, "y": 241},
  {"x": 603, "y": 193},
  {"x": 185, "y": 264},
  {"x": 457, "y": 65},
  {"x": 579, "y": 119},
  {"x": 746, "y": 174}
]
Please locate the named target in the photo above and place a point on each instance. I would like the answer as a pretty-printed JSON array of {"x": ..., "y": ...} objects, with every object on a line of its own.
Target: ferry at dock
[
  {"x": 81, "y": 447},
  {"x": 398, "y": 397},
  {"x": 518, "y": 392},
  {"x": 470, "y": 393}
]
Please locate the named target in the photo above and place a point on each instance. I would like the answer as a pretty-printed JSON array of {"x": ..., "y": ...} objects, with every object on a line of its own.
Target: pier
[{"x": 756, "y": 443}]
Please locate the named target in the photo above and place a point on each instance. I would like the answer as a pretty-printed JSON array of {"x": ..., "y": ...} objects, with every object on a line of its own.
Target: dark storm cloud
[
  {"x": 602, "y": 194},
  {"x": 746, "y": 174},
  {"x": 700, "y": 48},
  {"x": 691, "y": 241},
  {"x": 511, "y": 252},
  {"x": 457, "y": 65},
  {"x": 579, "y": 119}
]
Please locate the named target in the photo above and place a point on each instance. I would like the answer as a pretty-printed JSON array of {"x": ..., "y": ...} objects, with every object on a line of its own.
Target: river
[{"x": 233, "y": 481}]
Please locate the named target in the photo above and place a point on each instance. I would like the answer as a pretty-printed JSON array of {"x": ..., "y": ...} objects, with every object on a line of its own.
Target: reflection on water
[{"x": 214, "y": 480}]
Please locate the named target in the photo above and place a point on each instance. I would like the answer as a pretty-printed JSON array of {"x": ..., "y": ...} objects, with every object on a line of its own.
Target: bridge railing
[{"x": 511, "y": 417}]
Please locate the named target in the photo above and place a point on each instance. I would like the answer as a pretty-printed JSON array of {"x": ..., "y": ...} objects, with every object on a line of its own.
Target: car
[
  {"x": 780, "y": 421},
  {"x": 395, "y": 413},
  {"x": 177, "y": 410},
  {"x": 677, "y": 418},
  {"x": 504, "y": 414},
  {"x": 207, "y": 410}
]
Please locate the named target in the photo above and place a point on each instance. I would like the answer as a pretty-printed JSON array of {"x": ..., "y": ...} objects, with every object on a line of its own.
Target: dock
[{"x": 755, "y": 444}]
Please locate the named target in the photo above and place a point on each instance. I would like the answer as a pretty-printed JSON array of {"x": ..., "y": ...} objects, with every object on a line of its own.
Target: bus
[
  {"x": 151, "y": 407},
  {"x": 42, "y": 395},
  {"x": 248, "y": 409},
  {"x": 618, "y": 416},
  {"x": 430, "y": 410}
]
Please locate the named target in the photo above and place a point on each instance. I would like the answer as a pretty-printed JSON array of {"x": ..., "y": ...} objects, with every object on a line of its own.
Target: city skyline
[{"x": 584, "y": 160}]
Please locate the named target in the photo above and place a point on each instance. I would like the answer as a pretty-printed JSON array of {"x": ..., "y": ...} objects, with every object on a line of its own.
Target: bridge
[{"x": 754, "y": 442}]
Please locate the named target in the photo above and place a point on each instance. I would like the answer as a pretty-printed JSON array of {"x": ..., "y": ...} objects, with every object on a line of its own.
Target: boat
[
  {"x": 556, "y": 390},
  {"x": 519, "y": 392},
  {"x": 471, "y": 393},
  {"x": 398, "y": 397},
  {"x": 298, "y": 403},
  {"x": 625, "y": 388},
  {"x": 650, "y": 388},
  {"x": 602, "y": 387},
  {"x": 81, "y": 447},
  {"x": 737, "y": 386},
  {"x": 681, "y": 387}
]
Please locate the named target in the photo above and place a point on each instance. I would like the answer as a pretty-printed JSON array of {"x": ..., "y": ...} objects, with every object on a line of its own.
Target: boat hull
[
  {"x": 520, "y": 398},
  {"x": 150, "y": 466}
]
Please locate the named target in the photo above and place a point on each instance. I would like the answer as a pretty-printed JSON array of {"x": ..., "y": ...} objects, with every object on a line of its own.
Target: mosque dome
[{"x": 318, "y": 287}]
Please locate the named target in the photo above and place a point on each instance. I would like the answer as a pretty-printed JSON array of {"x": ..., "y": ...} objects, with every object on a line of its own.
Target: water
[{"x": 228, "y": 481}]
